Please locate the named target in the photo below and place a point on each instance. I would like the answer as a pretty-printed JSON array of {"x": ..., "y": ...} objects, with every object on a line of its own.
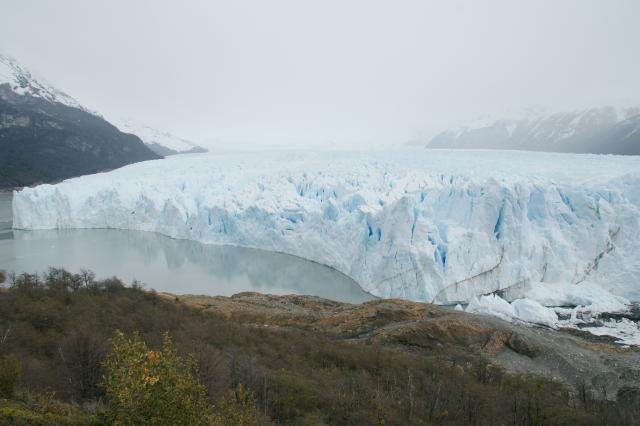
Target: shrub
[
  {"x": 53, "y": 413},
  {"x": 237, "y": 408},
  {"x": 9, "y": 375},
  {"x": 152, "y": 387}
]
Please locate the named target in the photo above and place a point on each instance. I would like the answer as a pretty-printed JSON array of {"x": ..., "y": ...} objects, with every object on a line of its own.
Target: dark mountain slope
[
  {"x": 47, "y": 136},
  {"x": 41, "y": 141}
]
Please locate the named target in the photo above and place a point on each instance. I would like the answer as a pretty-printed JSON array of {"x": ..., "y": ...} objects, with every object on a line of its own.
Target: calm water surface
[{"x": 166, "y": 264}]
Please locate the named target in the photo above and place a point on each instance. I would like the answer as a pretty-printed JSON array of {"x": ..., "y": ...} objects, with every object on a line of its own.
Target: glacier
[{"x": 442, "y": 226}]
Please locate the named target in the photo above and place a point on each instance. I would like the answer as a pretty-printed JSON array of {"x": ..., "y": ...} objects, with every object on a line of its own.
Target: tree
[{"x": 152, "y": 387}]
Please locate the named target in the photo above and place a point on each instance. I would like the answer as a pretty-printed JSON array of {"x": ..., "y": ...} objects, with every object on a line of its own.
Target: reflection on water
[{"x": 176, "y": 266}]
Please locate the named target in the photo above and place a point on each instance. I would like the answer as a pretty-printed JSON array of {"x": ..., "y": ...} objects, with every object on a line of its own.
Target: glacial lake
[{"x": 166, "y": 264}]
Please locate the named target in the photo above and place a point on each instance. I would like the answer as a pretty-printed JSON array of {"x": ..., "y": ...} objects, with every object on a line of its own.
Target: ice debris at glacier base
[
  {"x": 430, "y": 225},
  {"x": 624, "y": 330},
  {"x": 589, "y": 296},
  {"x": 525, "y": 310}
]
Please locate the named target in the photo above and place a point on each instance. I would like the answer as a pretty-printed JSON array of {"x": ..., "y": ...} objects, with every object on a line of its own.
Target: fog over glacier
[{"x": 331, "y": 73}]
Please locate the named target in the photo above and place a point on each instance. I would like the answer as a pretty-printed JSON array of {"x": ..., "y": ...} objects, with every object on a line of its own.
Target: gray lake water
[{"x": 166, "y": 264}]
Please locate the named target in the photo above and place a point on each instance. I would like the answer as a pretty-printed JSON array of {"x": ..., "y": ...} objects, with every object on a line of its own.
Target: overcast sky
[{"x": 326, "y": 72}]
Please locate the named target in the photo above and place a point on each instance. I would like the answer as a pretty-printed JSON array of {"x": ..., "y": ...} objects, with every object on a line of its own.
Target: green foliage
[
  {"x": 237, "y": 408},
  {"x": 39, "y": 412},
  {"x": 294, "y": 394},
  {"x": 9, "y": 375},
  {"x": 152, "y": 387}
]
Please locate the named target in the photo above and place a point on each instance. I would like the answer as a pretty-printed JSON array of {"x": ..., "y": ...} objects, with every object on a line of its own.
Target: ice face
[{"x": 430, "y": 225}]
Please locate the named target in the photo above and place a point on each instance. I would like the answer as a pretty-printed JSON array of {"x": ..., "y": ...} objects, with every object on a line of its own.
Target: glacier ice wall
[{"x": 429, "y": 225}]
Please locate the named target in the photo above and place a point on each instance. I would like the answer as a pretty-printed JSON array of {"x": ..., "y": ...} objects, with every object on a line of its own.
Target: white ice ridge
[{"x": 435, "y": 225}]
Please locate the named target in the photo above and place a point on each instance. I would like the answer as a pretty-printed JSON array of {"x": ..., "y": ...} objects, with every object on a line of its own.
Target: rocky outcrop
[{"x": 411, "y": 326}]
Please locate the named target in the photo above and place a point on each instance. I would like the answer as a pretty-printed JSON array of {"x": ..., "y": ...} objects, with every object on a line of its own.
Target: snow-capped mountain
[
  {"x": 605, "y": 130},
  {"x": 162, "y": 143},
  {"x": 47, "y": 136},
  {"x": 22, "y": 82}
]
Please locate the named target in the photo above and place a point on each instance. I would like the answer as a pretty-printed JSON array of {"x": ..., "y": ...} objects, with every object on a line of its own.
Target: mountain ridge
[
  {"x": 23, "y": 82},
  {"x": 159, "y": 141},
  {"x": 600, "y": 130}
]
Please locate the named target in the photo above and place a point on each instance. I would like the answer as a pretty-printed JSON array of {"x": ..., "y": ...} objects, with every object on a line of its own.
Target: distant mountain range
[
  {"x": 162, "y": 143},
  {"x": 603, "y": 130},
  {"x": 47, "y": 136}
]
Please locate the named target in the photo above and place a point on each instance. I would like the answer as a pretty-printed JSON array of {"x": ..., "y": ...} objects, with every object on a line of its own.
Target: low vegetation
[{"x": 76, "y": 350}]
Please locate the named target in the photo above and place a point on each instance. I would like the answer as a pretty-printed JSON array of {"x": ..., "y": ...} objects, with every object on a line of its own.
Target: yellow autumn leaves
[{"x": 150, "y": 387}]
